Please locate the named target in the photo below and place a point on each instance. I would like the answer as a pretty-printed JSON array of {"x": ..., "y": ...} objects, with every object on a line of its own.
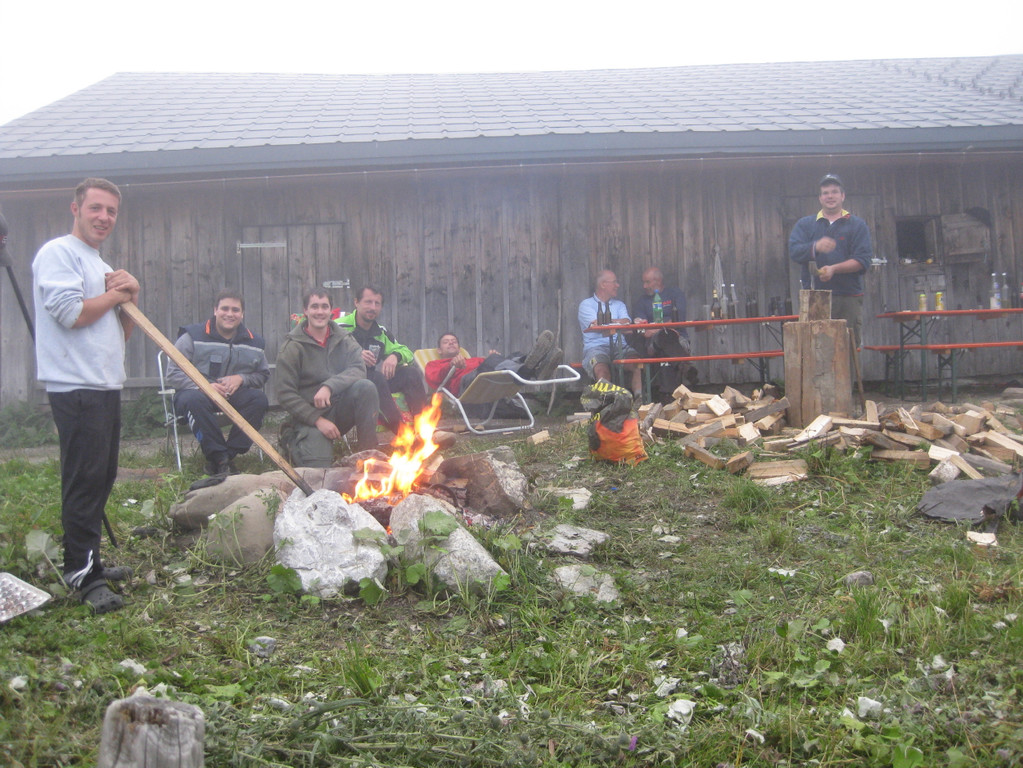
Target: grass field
[{"x": 733, "y": 599}]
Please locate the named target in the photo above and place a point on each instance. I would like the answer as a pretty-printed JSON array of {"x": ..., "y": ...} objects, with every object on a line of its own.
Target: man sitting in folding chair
[
  {"x": 454, "y": 371},
  {"x": 478, "y": 386},
  {"x": 232, "y": 358}
]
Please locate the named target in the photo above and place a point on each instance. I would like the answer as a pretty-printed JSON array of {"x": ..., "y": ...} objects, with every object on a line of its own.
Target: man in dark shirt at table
[
  {"x": 839, "y": 244},
  {"x": 663, "y": 342}
]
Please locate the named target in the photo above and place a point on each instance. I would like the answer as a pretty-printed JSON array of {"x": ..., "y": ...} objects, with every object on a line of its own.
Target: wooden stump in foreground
[
  {"x": 145, "y": 732},
  {"x": 817, "y": 372}
]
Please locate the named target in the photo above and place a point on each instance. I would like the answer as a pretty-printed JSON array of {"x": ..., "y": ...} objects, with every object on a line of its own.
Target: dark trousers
[
  {"x": 355, "y": 407},
  {"x": 201, "y": 413},
  {"x": 406, "y": 380},
  {"x": 89, "y": 427}
]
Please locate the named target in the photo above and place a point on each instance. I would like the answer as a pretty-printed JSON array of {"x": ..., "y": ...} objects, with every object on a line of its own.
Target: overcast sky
[{"x": 51, "y": 49}]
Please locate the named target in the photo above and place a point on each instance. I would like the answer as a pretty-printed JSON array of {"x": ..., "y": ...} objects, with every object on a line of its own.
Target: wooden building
[{"x": 485, "y": 204}]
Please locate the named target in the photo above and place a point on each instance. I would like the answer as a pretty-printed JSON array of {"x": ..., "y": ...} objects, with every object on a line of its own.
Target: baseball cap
[{"x": 830, "y": 178}]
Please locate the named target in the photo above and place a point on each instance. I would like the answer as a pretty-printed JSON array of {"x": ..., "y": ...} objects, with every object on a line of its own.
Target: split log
[
  {"x": 911, "y": 441},
  {"x": 719, "y": 405},
  {"x": 540, "y": 437},
  {"x": 965, "y": 467},
  {"x": 841, "y": 421},
  {"x": 819, "y": 426},
  {"x": 947, "y": 426},
  {"x": 710, "y": 429},
  {"x": 771, "y": 424},
  {"x": 748, "y": 433},
  {"x": 882, "y": 441},
  {"x": 995, "y": 438},
  {"x": 972, "y": 422},
  {"x": 708, "y": 458},
  {"x": 987, "y": 464},
  {"x": 917, "y": 458},
  {"x": 870, "y": 411},
  {"x": 775, "y": 406},
  {"x": 665, "y": 427},
  {"x": 777, "y": 472},
  {"x": 735, "y": 398},
  {"x": 739, "y": 462}
]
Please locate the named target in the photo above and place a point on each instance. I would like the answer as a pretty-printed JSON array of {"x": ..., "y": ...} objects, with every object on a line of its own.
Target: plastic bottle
[
  {"x": 734, "y": 303},
  {"x": 996, "y": 292},
  {"x": 658, "y": 312},
  {"x": 715, "y": 306}
]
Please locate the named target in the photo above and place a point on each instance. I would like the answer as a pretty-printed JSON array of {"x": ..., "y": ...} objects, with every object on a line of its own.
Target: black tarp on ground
[{"x": 971, "y": 501}]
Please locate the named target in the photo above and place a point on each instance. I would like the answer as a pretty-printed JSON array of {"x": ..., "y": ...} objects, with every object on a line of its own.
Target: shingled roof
[{"x": 172, "y": 123}]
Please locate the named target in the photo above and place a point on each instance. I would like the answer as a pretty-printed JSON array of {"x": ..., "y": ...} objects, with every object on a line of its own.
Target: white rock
[
  {"x": 667, "y": 686},
  {"x": 458, "y": 561},
  {"x": 580, "y": 497},
  {"x": 315, "y": 535},
  {"x": 573, "y": 540},
  {"x": 583, "y": 580},
  {"x": 132, "y": 666},
  {"x": 681, "y": 711},
  {"x": 868, "y": 708}
]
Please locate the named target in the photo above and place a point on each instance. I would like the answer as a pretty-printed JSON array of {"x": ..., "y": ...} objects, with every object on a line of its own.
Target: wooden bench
[
  {"x": 759, "y": 360},
  {"x": 948, "y": 355}
]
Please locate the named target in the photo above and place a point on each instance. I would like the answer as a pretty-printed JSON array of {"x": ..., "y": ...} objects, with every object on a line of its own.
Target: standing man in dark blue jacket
[
  {"x": 231, "y": 357},
  {"x": 838, "y": 243}
]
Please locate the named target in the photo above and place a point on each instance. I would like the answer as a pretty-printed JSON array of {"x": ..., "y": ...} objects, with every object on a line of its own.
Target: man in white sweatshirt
[{"x": 80, "y": 341}]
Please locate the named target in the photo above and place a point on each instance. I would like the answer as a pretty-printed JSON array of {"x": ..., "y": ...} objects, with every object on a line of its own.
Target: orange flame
[{"x": 412, "y": 447}]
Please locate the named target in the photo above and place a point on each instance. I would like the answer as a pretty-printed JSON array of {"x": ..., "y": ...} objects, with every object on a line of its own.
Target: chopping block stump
[{"x": 818, "y": 379}]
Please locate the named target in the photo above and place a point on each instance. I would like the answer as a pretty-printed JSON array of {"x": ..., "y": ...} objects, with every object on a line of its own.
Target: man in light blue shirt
[{"x": 602, "y": 345}]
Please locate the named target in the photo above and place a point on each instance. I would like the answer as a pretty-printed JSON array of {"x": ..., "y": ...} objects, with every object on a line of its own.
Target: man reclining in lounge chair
[{"x": 455, "y": 371}]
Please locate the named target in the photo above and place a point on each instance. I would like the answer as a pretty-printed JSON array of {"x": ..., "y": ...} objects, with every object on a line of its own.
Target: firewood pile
[{"x": 966, "y": 439}]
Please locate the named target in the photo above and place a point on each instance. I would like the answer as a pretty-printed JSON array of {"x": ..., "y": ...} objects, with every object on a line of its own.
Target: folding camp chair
[
  {"x": 490, "y": 388},
  {"x": 170, "y": 419}
]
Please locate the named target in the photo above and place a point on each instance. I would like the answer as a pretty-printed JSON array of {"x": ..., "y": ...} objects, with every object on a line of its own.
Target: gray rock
[
  {"x": 859, "y": 579},
  {"x": 458, "y": 561},
  {"x": 572, "y": 540},
  {"x": 580, "y": 497},
  {"x": 192, "y": 513},
  {"x": 316, "y": 536},
  {"x": 583, "y": 580},
  {"x": 496, "y": 484},
  {"x": 263, "y": 647},
  {"x": 243, "y": 532}
]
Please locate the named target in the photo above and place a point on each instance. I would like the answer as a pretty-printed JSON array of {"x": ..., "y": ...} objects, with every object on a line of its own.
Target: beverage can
[
  {"x": 939, "y": 300},
  {"x": 922, "y": 302}
]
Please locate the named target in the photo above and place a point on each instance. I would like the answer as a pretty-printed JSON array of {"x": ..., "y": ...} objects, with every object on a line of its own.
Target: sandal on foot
[
  {"x": 101, "y": 598},
  {"x": 116, "y": 572}
]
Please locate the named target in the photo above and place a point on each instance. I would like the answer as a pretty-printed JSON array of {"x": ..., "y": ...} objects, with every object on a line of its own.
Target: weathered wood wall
[{"x": 500, "y": 254}]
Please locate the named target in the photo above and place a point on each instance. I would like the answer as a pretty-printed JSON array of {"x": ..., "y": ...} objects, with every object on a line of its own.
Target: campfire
[{"x": 389, "y": 481}]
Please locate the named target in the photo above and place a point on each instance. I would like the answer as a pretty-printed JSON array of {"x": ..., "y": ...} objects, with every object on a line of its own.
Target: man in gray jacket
[
  {"x": 231, "y": 358},
  {"x": 322, "y": 384}
]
